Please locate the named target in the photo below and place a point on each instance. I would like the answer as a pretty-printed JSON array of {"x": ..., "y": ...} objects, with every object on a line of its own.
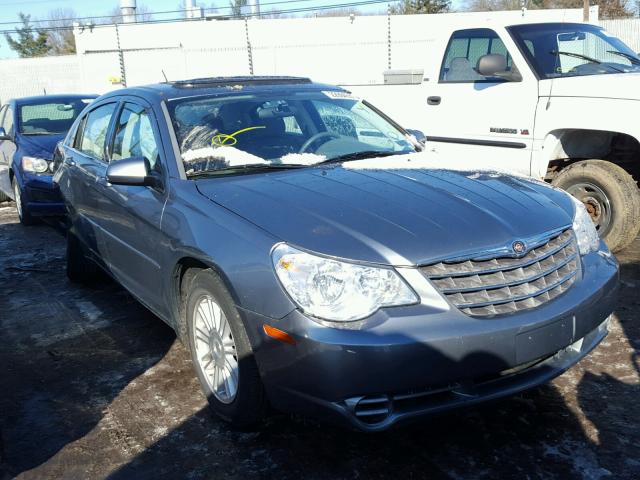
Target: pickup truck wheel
[
  {"x": 23, "y": 212},
  {"x": 611, "y": 196},
  {"x": 80, "y": 269},
  {"x": 221, "y": 352}
]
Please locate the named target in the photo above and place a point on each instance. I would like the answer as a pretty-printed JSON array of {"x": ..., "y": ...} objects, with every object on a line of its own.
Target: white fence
[
  {"x": 628, "y": 30},
  {"x": 340, "y": 50}
]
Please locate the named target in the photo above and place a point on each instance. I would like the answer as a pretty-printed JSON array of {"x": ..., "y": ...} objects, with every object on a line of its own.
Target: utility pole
[{"x": 585, "y": 10}]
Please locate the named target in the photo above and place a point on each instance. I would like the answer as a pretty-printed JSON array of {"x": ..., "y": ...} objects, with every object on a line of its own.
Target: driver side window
[{"x": 466, "y": 47}]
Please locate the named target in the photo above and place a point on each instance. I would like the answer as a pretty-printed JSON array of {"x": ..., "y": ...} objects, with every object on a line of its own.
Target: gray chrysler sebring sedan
[{"x": 312, "y": 260}]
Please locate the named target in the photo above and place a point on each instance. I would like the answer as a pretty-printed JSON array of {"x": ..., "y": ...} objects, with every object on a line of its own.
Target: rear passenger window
[
  {"x": 94, "y": 134},
  {"x": 465, "y": 49},
  {"x": 134, "y": 135}
]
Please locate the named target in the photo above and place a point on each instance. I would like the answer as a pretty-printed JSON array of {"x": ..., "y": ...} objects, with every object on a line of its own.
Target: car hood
[
  {"x": 41, "y": 146},
  {"x": 624, "y": 86},
  {"x": 397, "y": 216}
]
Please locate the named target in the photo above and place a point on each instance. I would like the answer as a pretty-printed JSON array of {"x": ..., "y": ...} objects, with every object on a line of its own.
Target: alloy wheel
[{"x": 215, "y": 349}]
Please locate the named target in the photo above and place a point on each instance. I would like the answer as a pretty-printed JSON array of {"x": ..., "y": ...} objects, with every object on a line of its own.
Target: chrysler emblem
[{"x": 518, "y": 247}]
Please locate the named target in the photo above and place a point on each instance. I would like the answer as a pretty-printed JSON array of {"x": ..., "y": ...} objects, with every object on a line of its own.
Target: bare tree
[{"x": 60, "y": 31}]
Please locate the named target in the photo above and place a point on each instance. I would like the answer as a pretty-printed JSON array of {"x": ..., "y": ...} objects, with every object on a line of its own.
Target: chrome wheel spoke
[{"x": 215, "y": 349}]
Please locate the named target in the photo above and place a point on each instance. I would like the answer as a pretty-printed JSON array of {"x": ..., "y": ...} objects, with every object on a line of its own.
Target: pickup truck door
[{"x": 486, "y": 122}]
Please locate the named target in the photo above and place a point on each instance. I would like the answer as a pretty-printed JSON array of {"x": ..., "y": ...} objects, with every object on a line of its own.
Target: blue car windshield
[
  {"x": 216, "y": 134},
  {"x": 49, "y": 118},
  {"x": 556, "y": 50}
]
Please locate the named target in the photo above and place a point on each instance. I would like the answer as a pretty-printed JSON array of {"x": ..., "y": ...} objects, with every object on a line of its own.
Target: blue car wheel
[{"x": 23, "y": 211}]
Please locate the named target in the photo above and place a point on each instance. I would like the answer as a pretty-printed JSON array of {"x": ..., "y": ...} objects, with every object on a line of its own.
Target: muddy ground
[{"x": 94, "y": 386}]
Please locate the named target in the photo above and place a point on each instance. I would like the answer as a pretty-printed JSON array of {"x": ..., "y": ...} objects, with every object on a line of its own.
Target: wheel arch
[
  {"x": 179, "y": 276},
  {"x": 565, "y": 146}
]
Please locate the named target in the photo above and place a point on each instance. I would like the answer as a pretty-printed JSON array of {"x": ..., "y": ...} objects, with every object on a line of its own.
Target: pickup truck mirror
[
  {"x": 419, "y": 135},
  {"x": 495, "y": 65},
  {"x": 132, "y": 171}
]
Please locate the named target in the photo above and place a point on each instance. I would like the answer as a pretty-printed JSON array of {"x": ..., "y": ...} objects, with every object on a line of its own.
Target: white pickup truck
[{"x": 558, "y": 101}]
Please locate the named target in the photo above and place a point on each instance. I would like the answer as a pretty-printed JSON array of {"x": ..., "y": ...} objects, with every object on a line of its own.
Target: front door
[
  {"x": 132, "y": 214},
  {"x": 485, "y": 122}
]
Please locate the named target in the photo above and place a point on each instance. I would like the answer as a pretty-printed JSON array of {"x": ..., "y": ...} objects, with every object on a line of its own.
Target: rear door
[
  {"x": 486, "y": 122},
  {"x": 132, "y": 214},
  {"x": 87, "y": 167}
]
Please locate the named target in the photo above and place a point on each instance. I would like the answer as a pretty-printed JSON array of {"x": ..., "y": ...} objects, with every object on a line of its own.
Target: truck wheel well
[{"x": 566, "y": 147}]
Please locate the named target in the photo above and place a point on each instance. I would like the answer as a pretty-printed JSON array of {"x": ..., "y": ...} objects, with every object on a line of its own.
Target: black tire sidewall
[
  {"x": 247, "y": 407},
  {"x": 621, "y": 191},
  {"x": 25, "y": 217}
]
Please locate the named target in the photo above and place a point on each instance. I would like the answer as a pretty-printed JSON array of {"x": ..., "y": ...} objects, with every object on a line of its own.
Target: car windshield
[
  {"x": 573, "y": 49},
  {"x": 50, "y": 118},
  {"x": 238, "y": 133}
]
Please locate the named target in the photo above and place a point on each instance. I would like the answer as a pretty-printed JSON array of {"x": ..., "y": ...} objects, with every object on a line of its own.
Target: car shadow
[
  {"x": 84, "y": 369},
  {"x": 66, "y": 351}
]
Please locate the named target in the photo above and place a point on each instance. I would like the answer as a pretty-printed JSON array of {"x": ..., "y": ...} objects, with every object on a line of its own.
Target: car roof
[
  {"x": 221, "y": 86},
  {"x": 59, "y": 97}
]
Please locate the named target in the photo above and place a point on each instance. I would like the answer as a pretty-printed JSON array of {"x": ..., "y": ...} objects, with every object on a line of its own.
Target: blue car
[
  {"x": 30, "y": 128},
  {"x": 311, "y": 260}
]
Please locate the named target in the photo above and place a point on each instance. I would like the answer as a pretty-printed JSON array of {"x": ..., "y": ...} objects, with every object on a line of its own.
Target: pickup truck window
[
  {"x": 463, "y": 52},
  {"x": 556, "y": 50}
]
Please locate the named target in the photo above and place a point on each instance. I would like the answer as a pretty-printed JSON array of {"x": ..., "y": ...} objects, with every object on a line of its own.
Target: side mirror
[
  {"x": 495, "y": 65},
  {"x": 132, "y": 171},
  {"x": 419, "y": 135},
  {"x": 4, "y": 136}
]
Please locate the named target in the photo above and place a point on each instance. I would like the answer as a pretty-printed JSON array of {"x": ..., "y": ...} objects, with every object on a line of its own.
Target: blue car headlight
[
  {"x": 585, "y": 230},
  {"x": 337, "y": 290},
  {"x": 34, "y": 164}
]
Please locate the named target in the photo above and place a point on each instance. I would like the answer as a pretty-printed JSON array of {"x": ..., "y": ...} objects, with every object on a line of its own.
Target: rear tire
[
  {"x": 23, "y": 211},
  {"x": 221, "y": 353},
  {"x": 80, "y": 269},
  {"x": 611, "y": 196}
]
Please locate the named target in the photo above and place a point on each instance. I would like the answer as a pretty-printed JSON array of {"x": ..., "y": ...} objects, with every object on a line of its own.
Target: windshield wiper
[
  {"x": 249, "y": 167},
  {"x": 583, "y": 57},
  {"x": 360, "y": 156},
  {"x": 633, "y": 59}
]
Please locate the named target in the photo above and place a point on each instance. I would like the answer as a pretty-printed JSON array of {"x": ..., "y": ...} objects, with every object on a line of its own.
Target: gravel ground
[{"x": 94, "y": 386}]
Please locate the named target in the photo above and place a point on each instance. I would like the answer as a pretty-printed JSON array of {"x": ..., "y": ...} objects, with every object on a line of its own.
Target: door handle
[
  {"x": 70, "y": 161},
  {"x": 433, "y": 100}
]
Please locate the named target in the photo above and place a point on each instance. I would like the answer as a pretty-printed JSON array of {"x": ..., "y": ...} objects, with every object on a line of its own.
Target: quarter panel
[{"x": 195, "y": 227}]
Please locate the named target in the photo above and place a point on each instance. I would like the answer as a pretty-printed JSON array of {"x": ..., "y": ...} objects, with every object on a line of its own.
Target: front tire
[
  {"x": 611, "y": 196},
  {"x": 23, "y": 211},
  {"x": 221, "y": 352}
]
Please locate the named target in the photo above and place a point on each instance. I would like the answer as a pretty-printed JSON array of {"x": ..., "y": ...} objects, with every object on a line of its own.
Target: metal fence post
[
  {"x": 388, "y": 36},
  {"x": 123, "y": 74},
  {"x": 249, "y": 52}
]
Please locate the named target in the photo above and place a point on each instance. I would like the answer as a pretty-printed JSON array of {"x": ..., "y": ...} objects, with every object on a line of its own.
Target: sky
[{"x": 39, "y": 9}]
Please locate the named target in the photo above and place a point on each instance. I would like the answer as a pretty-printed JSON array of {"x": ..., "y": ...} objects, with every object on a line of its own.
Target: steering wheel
[{"x": 315, "y": 138}]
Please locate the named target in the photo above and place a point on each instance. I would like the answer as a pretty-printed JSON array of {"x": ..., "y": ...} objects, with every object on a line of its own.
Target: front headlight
[
  {"x": 336, "y": 290},
  {"x": 34, "y": 164},
  {"x": 586, "y": 233}
]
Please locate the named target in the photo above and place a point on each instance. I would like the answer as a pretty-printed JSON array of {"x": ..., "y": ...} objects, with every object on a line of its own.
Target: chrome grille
[{"x": 505, "y": 285}]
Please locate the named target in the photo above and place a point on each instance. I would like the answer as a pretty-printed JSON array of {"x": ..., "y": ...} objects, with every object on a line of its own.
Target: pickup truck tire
[
  {"x": 80, "y": 269},
  {"x": 611, "y": 196},
  {"x": 221, "y": 353}
]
